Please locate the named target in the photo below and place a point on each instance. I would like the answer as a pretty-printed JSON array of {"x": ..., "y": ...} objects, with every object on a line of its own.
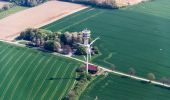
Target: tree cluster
[
  {"x": 65, "y": 43},
  {"x": 98, "y": 3},
  {"x": 150, "y": 76},
  {"x": 29, "y": 3}
]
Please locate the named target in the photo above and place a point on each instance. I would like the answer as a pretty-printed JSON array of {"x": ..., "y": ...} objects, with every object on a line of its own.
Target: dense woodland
[
  {"x": 65, "y": 43},
  {"x": 29, "y": 3}
]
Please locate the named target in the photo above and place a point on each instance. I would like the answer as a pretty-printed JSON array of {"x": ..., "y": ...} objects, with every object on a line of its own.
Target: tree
[
  {"x": 68, "y": 37},
  {"x": 79, "y": 37},
  {"x": 67, "y": 49},
  {"x": 80, "y": 69},
  {"x": 29, "y": 3},
  {"x": 71, "y": 95},
  {"x": 151, "y": 76},
  {"x": 81, "y": 51},
  {"x": 52, "y": 45},
  {"x": 164, "y": 80},
  {"x": 131, "y": 71},
  {"x": 28, "y": 34},
  {"x": 95, "y": 50},
  {"x": 74, "y": 37}
]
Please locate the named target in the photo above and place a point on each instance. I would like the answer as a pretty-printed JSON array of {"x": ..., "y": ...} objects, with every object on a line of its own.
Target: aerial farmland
[{"x": 84, "y": 50}]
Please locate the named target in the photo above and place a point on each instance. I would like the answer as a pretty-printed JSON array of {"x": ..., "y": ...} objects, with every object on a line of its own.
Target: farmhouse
[{"x": 92, "y": 69}]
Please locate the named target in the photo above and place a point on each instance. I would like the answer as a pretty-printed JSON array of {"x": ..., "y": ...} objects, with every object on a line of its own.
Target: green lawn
[
  {"x": 136, "y": 36},
  {"x": 115, "y": 87},
  {"x": 11, "y": 11},
  {"x": 27, "y": 74}
]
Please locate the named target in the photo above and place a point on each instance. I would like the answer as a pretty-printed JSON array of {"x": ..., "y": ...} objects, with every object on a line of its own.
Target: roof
[{"x": 92, "y": 67}]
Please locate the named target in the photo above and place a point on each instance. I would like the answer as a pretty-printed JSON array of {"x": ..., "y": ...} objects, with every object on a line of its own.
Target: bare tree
[{"x": 164, "y": 80}]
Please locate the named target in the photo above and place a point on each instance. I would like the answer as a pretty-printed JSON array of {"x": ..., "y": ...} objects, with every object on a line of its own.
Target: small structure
[
  {"x": 92, "y": 69},
  {"x": 86, "y": 36}
]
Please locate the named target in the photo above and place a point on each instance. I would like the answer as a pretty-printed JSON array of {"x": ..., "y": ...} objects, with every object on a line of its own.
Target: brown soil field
[{"x": 36, "y": 17}]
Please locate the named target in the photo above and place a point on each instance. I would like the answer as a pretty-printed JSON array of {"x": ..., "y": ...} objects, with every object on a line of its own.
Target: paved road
[{"x": 105, "y": 69}]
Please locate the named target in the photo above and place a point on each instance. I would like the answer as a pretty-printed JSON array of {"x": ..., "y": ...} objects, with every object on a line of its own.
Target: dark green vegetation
[
  {"x": 30, "y": 74},
  {"x": 29, "y": 3},
  {"x": 80, "y": 85},
  {"x": 12, "y": 10},
  {"x": 59, "y": 42},
  {"x": 135, "y": 37},
  {"x": 114, "y": 87}
]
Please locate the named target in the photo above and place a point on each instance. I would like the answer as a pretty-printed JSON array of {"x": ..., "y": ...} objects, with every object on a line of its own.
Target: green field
[
  {"x": 136, "y": 36},
  {"x": 11, "y": 11},
  {"x": 117, "y": 88},
  {"x": 27, "y": 74}
]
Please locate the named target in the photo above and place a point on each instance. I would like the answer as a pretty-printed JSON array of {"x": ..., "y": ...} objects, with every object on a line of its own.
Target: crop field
[
  {"x": 136, "y": 36},
  {"x": 27, "y": 74},
  {"x": 115, "y": 87},
  {"x": 11, "y": 11}
]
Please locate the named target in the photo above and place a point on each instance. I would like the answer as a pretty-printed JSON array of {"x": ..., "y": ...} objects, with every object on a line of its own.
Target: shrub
[
  {"x": 151, "y": 76},
  {"x": 29, "y": 3},
  {"x": 52, "y": 45}
]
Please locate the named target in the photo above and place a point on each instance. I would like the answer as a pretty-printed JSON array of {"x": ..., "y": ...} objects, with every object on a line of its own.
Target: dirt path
[{"x": 36, "y": 17}]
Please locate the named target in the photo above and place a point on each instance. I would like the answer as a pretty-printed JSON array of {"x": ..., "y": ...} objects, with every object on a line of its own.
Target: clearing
[
  {"x": 35, "y": 17},
  {"x": 30, "y": 74}
]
